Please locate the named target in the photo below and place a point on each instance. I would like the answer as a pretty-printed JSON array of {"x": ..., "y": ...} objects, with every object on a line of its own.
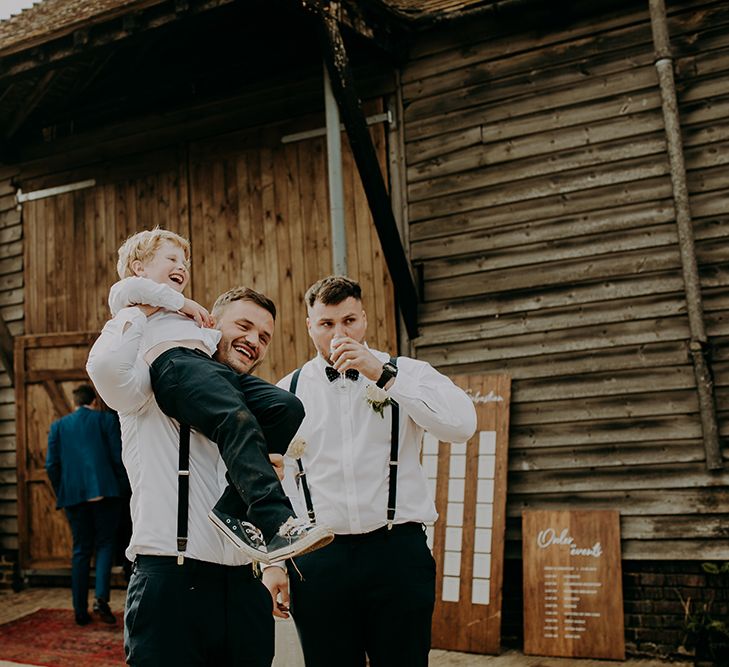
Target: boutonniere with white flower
[
  {"x": 296, "y": 448},
  {"x": 378, "y": 399}
]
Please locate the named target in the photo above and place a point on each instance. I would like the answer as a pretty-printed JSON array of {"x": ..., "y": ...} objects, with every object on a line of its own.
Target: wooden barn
[{"x": 529, "y": 187}]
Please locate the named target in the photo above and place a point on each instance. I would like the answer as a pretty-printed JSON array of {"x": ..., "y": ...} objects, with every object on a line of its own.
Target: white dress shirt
[
  {"x": 150, "y": 450},
  {"x": 165, "y": 325},
  {"x": 347, "y": 453}
]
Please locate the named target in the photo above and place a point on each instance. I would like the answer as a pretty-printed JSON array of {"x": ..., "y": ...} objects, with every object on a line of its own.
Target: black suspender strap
[
  {"x": 394, "y": 449},
  {"x": 294, "y": 381},
  {"x": 301, "y": 476},
  {"x": 183, "y": 492},
  {"x": 394, "y": 446}
]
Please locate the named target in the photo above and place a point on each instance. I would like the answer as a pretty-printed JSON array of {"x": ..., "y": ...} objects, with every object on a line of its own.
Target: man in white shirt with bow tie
[{"x": 371, "y": 592}]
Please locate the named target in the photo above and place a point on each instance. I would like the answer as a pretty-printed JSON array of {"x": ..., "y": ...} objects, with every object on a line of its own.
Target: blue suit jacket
[{"x": 84, "y": 457}]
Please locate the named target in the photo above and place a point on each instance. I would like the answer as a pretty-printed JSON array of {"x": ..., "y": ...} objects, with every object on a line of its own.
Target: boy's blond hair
[{"x": 143, "y": 245}]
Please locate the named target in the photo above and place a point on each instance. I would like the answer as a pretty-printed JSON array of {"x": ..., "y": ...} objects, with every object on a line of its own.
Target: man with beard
[{"x": 193, "y": 598}]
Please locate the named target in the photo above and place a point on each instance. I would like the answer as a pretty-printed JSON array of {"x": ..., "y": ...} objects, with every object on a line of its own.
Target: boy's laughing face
[{"x": 167, "y": 266}]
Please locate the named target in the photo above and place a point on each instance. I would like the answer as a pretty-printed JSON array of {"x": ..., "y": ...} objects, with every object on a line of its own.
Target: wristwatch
[{"x": 389, "y": 371}]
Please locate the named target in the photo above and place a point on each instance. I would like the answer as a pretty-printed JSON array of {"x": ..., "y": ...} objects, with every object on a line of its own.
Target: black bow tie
[{"x": 333, "y": 374}]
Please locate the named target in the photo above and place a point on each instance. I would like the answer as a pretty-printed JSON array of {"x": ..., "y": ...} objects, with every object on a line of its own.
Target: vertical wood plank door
[
  {"x": 469, "y": 484},
  {"x": 47, "y": 369},
  {"x": 72, "y": 241},
  {"x": 260, "y": 217}
]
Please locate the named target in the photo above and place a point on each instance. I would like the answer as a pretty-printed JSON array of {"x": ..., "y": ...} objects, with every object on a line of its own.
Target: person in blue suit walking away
[{"x": 84, "y": 466}]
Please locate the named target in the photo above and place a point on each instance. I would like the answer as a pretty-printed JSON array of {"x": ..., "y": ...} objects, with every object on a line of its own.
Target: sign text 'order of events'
[{"x": 550, "y": 537}]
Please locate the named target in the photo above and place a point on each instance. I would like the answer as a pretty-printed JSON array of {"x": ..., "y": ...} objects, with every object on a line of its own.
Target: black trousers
[
  {"x": 370, "y": 594},
  {"x": 196, "y": 614},
  {"x": 247, "y": 417}
]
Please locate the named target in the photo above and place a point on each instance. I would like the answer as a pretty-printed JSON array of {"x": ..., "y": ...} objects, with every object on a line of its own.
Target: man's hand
[
  {"x": 196, "y": 312},
  {"x": 348, "y": 353},
  {"x": 277, "y": 461},
  {"x": 276, "y": 581}
]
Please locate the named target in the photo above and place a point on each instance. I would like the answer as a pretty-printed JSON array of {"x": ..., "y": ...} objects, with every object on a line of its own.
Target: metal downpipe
[{"x": 698, "y": 345}]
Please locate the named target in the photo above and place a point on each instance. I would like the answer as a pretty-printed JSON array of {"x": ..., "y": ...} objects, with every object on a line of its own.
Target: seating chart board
[{"x": 468, "y": 482}]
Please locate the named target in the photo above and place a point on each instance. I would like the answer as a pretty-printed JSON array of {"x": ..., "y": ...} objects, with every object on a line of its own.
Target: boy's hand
[{"x": 196, "y": 312}]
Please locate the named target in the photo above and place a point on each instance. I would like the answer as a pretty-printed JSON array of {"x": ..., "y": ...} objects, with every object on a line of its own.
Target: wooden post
[{"x": 365, "y": 156}]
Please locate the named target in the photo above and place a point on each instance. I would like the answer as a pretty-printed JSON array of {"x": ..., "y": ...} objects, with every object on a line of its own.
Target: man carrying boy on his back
[{"x": 207, "y": 395}]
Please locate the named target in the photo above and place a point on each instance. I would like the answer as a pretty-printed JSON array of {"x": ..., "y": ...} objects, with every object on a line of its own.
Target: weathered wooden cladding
[
  {"x": 254, "y": 209},
  {"x": 541, "y": 213},
  {"x": 11, "y": 295}
]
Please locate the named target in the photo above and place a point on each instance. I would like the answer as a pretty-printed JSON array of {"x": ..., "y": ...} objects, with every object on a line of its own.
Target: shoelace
[
  {"x": 254, "y": 533},
  {"x": 295, "y": 529}
]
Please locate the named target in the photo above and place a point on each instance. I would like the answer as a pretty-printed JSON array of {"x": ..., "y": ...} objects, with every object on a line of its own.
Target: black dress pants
[
  {"x": 370, "y": 594},
  {"x": 196, "y": 614},
  {"x": 245, "y": 416}
]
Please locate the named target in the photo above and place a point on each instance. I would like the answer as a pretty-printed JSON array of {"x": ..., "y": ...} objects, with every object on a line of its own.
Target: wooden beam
[
  {"x": 58, "y": 398},
  {"x": 365, "y": 156},
  {"x": 6, "y": 350},
  {"x": 56, "y": 375},
  {"x": 31, "y": 102}
]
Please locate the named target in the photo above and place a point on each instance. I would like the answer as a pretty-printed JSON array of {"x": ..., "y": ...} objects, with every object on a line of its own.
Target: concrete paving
[{"x": 288, "y": 652}]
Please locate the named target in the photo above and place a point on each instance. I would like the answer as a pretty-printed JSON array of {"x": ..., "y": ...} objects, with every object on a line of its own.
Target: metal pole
[
  {"x": 699, "y": 343},
  {"x": 336, "y": 185}
]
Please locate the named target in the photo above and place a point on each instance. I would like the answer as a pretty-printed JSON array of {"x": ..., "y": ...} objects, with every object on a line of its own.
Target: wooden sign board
[
  {"x": 573, "y": 595},
  {"x": 468, "y": 482}
]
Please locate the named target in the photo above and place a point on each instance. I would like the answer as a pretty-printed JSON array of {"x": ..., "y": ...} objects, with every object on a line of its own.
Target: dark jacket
[{"x": 84, "y": 457}]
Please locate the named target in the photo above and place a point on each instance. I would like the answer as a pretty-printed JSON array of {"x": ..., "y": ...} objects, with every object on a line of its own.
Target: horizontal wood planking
[
  {"x": 11, "y": 293},
  {"x": 541, "y": 214}
]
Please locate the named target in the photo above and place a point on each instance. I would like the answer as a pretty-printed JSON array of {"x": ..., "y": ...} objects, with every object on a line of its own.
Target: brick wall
[{"x": 652, "y": 597}]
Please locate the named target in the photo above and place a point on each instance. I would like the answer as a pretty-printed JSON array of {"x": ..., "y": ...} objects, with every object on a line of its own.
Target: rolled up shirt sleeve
[
  {"x": 433, "y": 402},
  {"x": 115, "y": 366}
]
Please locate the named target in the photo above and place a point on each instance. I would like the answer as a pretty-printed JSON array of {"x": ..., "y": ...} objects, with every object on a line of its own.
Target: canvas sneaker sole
[
  {"x": 316, "y": 538},
  {"x": 247, "y": 549}
]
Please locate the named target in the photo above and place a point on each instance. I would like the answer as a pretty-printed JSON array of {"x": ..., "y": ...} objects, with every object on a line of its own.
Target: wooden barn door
[
  {"x": 70, "y": 254},
  {"x": 47, "y": 369},
  {"x": 71, "y": 239},
  {"x": 260, "y": 217}
]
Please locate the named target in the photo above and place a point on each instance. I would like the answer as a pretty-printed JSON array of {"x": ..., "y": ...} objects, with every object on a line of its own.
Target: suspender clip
[{"x": 180, "y": 559}]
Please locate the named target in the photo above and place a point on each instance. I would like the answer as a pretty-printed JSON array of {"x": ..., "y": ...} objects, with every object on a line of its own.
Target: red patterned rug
[{"x": 51, "y": 637}]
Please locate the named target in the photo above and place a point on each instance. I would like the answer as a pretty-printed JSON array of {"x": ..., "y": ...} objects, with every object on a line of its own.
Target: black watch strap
[{"x": 389, "y": 371}]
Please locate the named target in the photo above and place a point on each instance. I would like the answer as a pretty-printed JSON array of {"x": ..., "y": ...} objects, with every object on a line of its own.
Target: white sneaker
[{"x": 296, "y": 537}]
